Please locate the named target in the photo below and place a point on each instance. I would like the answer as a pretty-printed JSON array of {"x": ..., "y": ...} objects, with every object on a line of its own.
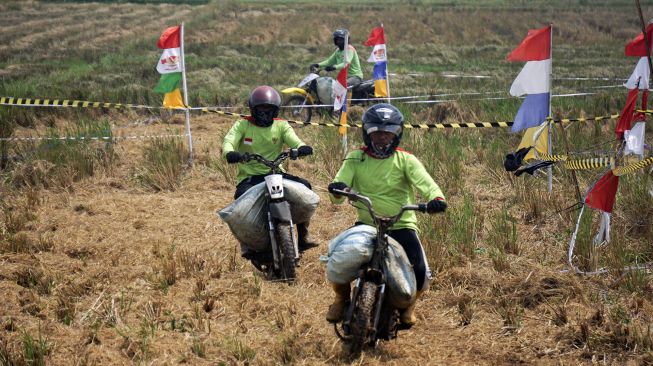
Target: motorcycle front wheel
[
  {"x": 287, "y": 252},
  {"x": 361, "y": 319},
  {"x": 297, "y": 109}
]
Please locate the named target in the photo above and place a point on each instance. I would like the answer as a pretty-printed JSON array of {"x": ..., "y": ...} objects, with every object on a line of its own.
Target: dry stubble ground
[{"x": 115, "y": 243}]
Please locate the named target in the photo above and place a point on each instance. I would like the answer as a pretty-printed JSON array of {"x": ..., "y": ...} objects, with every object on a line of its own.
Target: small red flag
[
  {"x": 169, "y": 38},
  {"x": 377, "y": 36},
  {"x": 626, "y": 117},
  {"x": 604, "y": 192},
  {"x": 637, "y": 47},
  {"x": 535, "y": 47}
]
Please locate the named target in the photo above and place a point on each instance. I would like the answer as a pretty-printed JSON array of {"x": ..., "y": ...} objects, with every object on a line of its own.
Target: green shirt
[
  {"x": 245, "y": 136},
  {"x": 337, "y": 60},
  {"x": 390, "y": 183}
]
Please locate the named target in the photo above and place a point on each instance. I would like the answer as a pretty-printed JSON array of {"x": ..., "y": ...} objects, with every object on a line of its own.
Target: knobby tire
[
  {"x": 287, "y": 251},
  {"x": 362, "y": 318}
]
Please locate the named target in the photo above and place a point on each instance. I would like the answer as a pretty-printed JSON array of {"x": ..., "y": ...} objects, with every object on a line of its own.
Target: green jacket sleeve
[
  {"x": 421, "y": 180},
  {"x": 333, "y": 59},
  {"x": 329, "y": 61},
  {"x": 232, "y": 138},
  {"x": 290, "y": 137},
  {"x": 344, "y": 175}
]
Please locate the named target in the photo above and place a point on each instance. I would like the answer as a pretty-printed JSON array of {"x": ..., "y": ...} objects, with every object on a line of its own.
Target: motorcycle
[
  {"x": 316, "y": 92},
  {"x": 283, "y": 259},
  {"x": 369, "y": 316}
]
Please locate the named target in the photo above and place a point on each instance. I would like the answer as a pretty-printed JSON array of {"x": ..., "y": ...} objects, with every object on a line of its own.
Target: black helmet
[
  {"x": 382, "y": 117},
  {"x": 264, "y": 95},
  {"x": 340, "y": 33}
]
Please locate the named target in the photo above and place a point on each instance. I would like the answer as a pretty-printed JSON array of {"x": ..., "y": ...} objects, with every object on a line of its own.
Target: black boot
[{"x": 304, "y": 240}]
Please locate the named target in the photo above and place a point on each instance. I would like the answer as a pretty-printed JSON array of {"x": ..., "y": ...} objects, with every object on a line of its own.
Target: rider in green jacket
[
  {"x": 263, "y": 134},
  {"x": 390, "y": 177},
  {"x": 337, "y": 62}
]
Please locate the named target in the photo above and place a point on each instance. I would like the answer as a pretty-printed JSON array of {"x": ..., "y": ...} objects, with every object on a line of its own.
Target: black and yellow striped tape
[
  {"x": 632, "y": 167},
  {"x": 589, "y": 164},
  {"x": 548, "y": 157},
  {"x": 26, "y": 102}
]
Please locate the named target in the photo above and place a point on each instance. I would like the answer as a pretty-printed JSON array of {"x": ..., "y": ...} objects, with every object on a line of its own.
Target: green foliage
[
  {"x": 64, "y": 156},
  {"x": 164, "y": 162},
  {"x": 502, "y": 234},
  {"x": 35, "y": 349}
]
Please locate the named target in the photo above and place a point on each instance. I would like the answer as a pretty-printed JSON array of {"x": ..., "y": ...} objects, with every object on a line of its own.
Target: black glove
[
  {"x": 305, "y": 150},
  {"x": 436, "y": 206},
  {"x": 233, "y": 157},
  {"x": 314, "y": 67},
  {"x": 337, "y": 185},
  {"x": 329, "y": 68}
]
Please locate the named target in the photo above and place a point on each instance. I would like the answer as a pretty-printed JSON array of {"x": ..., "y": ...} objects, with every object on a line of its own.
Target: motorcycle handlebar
[
  {"x": 293, "y": 154},
  {"x": 354, "y": 196}
]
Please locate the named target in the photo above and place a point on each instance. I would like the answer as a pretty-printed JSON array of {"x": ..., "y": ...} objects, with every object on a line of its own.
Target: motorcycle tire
[
  {"x": 287, "y": 252},
  {"x": 362, "y": 319},
  {"x": 296, "y": 111}
]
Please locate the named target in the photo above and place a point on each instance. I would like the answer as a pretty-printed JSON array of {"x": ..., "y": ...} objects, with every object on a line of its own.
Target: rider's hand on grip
[
  {"x": 329, "y": 68},
  {"x": 436, "y": 205},
  {"x": 305, "y": 150},
  {"x": 314, "y": 67},
  {"x": 423, "y": 207},
  {"x": 233, "y": 157},
  {"x": 337, "y": 186}
]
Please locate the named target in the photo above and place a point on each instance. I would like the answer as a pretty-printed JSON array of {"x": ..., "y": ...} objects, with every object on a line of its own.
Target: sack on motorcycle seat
[
  {"x": 353, "y": 248},
  {"x": 247, "y": 216},
  {"x": 325, "y": 90}
]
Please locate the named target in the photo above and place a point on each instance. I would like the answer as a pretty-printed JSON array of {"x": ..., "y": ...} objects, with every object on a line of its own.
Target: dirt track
[{"x": 114, "y": 242}]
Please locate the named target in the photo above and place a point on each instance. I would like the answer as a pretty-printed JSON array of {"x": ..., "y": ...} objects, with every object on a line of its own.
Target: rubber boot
[
  {"x": 337, "y": 309},
  {"x": 304, "y": 241},
  {"x": 407, "y": 316}
]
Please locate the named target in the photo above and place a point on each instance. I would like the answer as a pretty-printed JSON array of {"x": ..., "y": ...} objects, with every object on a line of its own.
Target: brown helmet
[{"x": 264, "y": 95}]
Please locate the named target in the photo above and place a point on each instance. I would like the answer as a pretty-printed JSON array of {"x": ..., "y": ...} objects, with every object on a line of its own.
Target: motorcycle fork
[
  {"x": 273, "y": 241},
  {"x": 377, "y": 311}
]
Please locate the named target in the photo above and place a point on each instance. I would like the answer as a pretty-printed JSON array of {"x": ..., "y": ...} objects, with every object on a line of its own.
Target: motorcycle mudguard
[
  {"x": 299, "y": 91},
  {"x": 280, "y": 211}
]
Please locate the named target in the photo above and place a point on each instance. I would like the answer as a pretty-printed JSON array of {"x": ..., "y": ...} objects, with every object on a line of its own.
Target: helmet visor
[{"x": 372, "y": 127}]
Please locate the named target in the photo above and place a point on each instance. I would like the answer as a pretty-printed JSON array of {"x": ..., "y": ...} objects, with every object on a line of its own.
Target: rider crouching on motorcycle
[
  {"x": 261, "y": 133},
  {"x": 389, "y": 176},
  {"x": 337, "y": 62}
]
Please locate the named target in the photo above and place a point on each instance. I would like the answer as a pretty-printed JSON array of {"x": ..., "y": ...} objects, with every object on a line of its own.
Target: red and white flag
[
  {"x": 340, "y": 89},
  {"x": 170, "y": 60}
]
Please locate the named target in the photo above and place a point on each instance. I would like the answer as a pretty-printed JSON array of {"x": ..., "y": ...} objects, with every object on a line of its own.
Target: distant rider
[
  {"x": 263, "y": 134},
  {"x": 389, "y": 176},
  {"x": 336, "y": 61}
]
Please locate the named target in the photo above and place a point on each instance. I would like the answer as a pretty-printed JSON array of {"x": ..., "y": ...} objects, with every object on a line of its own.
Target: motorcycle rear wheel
[
  {"x": 296, "y": 110},
  {"x": 362, "y": 319},
  {"x": 287, "y": 252}
]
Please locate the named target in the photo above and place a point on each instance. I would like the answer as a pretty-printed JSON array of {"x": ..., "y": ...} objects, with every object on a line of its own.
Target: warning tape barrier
[
  {"x": 26, "y": 102},
  {"x": 622, "y": 170},
  {"x": 86, "y": 138},
  {"x": 589, "y": 164}
]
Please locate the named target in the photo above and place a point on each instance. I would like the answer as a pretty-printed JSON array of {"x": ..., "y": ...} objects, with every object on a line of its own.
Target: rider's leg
[
  {"x": 415, "y": 252},
  {"x": 354, "y": 80},
  {"x": 304, "y": 240},
  {"x": 247, "y": 183},
  {"x": 337, "y": 309}
]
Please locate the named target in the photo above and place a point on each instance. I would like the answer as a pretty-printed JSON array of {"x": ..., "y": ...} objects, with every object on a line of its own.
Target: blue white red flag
[
  {"x": 380, "y": 59},
  {"x": 534, "y": 80}
]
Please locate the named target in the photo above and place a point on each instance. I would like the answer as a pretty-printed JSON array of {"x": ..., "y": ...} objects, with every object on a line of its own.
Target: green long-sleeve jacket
[
  {"x": 245, "y": 136},
  {"x": 337, "y": 60},
  {"x": 390, "y": 183}
]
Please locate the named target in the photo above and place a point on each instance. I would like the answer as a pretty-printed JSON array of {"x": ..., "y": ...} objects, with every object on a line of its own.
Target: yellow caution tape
[
  {"x": 632, "y": 167},
  {"x": 589, "y": 164}
]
